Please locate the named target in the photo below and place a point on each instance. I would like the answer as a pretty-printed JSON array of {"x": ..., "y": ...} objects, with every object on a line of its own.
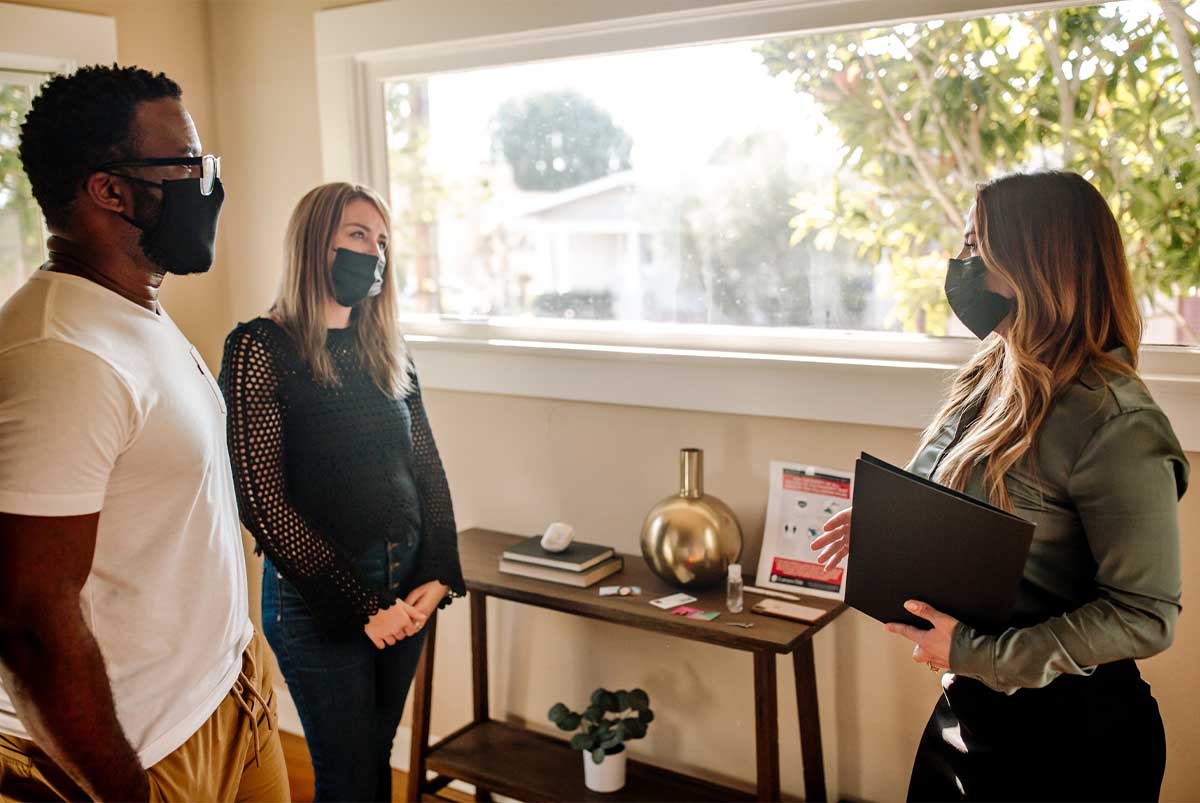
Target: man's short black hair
[{"x": 79, "y": 121}]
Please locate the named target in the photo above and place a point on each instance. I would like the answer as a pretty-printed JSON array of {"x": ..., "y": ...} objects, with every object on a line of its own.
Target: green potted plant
[{"x": 603, "y": 730}]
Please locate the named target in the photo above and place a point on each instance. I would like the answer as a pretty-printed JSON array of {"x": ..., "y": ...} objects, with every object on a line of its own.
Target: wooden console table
[{"x": 512, "y": 761}]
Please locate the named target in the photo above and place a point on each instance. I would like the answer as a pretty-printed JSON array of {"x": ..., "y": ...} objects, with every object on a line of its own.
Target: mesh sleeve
[
  {"x": 326, "y": 580},
  {"x": 439, "y": 535}
]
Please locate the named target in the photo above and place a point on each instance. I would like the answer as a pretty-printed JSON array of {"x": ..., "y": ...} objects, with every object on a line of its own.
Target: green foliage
[
  {"x": 556, "y": 140},
  {"x": 600, "y": 732},
  {"x": 738, "y": 263},
  {"x": 928, "y": 110},
  {"x": 418, "y": 193},
  {"x": 16, "y": 196}
]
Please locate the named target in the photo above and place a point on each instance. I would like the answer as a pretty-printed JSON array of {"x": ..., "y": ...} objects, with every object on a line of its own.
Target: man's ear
[{"x": 106, "y": 192}]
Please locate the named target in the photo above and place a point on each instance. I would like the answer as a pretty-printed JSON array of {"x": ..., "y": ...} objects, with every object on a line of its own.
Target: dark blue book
[{"x": 577, "y": 557}]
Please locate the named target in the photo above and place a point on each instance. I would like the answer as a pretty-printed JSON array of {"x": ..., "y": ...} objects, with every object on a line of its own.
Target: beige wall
[
  {"x": 517, "y": 463},
  {"x": 248, "y": 71},
  {"x": 264, "y": 74}
]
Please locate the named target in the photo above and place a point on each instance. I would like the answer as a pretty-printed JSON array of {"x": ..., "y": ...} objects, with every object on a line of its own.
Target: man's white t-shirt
[{"x": 105, "y": 406}]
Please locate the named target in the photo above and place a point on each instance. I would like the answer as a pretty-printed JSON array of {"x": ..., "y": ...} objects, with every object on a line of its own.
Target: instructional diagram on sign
[{"x": 801, "y": 499}]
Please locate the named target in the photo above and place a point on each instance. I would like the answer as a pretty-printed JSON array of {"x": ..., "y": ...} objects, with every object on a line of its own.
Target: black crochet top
[{"x": 322, "y": 473}]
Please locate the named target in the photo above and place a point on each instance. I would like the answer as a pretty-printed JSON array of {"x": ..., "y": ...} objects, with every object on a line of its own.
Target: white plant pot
[{"x": 608, "y": 775}]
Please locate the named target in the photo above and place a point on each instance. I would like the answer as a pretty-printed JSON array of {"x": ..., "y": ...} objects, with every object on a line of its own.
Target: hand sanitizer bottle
[{"x": 733, "y": 589}]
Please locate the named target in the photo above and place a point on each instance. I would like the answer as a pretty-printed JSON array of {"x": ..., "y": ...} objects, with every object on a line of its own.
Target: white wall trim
[
  {"x": 49, "y": 40},
  {"x": 855, "y": 345},
  {"x": 408, "y": 29},
  {"x": 878, "y": 392}
]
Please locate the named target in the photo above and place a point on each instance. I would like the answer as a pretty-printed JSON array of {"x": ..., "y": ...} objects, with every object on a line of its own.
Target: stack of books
[{"x": 579, "y": 564}]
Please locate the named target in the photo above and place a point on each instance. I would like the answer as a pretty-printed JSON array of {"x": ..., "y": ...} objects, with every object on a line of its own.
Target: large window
[
  {"x": 814, "y": 181},
  {"x": 22, "y": 238}
]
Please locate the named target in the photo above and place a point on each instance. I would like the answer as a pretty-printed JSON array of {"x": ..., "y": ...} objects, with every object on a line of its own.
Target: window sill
[{"x": 836, "y": 389}]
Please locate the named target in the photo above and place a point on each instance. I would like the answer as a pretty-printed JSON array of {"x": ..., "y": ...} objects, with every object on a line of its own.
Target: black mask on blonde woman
[
  {"x": 977, "y": 307},
  {"x": 356, "y": 276}
]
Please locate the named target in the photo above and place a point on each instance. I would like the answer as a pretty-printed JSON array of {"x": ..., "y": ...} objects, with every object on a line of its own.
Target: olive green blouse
[{"x": 1102, "y": 580}]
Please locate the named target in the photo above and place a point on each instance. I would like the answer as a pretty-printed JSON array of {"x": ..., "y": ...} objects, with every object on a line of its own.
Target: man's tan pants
[{"x": 235, "y": 756}]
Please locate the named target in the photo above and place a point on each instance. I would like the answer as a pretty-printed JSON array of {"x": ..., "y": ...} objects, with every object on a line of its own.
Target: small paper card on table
[
  {"x": 685, "y": 610},
  {"x": 704, "y": 616},
  {"x": 789, "y": 610},
  {"x": 694, "y": 613},
  {"x": 672, "y": 600}
]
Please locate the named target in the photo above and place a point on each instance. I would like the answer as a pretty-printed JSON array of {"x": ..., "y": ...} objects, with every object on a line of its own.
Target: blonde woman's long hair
[
  {"x": 1052, "y": 240},
  {"x": 307, "y": 283}
]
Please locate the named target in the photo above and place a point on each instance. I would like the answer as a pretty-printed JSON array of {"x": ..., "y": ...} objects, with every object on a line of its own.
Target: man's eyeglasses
[{"x": 210, "y": 168}]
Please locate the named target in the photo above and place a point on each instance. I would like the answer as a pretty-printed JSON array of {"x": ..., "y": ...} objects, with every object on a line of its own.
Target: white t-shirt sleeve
[{"x": 65, "y": 418}]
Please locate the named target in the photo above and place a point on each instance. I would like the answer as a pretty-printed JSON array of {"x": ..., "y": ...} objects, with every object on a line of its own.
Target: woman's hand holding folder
[{"x": 930, "y": 646}]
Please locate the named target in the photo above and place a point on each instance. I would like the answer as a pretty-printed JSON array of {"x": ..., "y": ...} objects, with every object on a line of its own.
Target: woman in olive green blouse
[{"x": 1050, "y": 420}]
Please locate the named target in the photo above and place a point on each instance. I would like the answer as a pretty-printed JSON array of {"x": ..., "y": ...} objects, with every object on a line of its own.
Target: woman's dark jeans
[{"x": 349, "y": 694}]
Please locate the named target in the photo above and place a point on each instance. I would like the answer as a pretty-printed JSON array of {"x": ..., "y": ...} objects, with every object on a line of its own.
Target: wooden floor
[
  {"x": 300, "y": 773},
  {"x": 299, "y": 766}
]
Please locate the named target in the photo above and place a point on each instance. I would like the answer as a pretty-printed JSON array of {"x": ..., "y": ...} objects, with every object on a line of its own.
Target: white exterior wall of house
[
  {"x": 612, "y": 236},
  {"x": 588, "y": 239}
]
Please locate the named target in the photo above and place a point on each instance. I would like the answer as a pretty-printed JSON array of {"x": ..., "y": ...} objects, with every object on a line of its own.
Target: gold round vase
[{"x": 689, "y": 539}]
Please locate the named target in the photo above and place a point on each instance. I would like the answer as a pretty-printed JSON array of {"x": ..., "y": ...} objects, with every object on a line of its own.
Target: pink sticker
[{"x": 685, "y": 610}]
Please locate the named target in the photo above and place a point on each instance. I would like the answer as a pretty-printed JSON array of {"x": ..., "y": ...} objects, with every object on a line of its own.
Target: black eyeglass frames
[{"x": 210, "y": 167}]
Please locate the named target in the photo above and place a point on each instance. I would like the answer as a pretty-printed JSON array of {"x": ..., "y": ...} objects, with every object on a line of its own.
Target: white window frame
[{"x": 849, "y": 377}]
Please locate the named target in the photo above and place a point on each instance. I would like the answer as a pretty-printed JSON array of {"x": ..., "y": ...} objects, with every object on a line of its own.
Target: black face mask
[
  {"x": 356, "y": 276},
  {"x": 978, "y": 308},
  {"x": 184, "y": 237}
]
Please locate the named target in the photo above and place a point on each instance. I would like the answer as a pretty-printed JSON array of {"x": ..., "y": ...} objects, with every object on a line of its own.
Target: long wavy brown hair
[
  {"x": 307, "y": 283},
  {"x": 1052, "y": 240}
]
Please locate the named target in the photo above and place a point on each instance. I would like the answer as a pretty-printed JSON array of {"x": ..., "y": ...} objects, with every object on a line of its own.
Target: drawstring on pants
[{"x": 247, "y": 694}]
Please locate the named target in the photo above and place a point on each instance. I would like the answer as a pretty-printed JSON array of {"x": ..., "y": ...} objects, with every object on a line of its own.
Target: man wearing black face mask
[
  {"x": 129, "y": 669},
  {"x": 179, "y": 234}
]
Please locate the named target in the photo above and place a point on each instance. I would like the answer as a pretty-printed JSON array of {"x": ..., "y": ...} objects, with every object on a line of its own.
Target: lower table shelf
[{"x": 519, "y": 763}]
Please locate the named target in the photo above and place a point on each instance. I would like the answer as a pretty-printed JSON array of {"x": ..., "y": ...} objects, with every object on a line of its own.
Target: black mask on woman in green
[{"x": 973, "y": 303}]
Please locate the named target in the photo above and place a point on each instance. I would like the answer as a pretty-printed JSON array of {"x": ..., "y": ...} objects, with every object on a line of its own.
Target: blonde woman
[
  {"x": 340, "y": 482},
  {"x": 1050, "y": 420}
]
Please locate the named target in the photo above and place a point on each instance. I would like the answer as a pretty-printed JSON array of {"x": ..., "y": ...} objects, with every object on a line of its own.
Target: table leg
[
  {"x": 479, "y": 669},
  {"x": 810, "y": 722},
  {"x": 766, "y": 716},
  {"x": 422, "y": 708}
]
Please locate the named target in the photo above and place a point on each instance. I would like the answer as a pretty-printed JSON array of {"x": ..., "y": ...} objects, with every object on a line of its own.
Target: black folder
[{"x": 914, "y": 539}]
